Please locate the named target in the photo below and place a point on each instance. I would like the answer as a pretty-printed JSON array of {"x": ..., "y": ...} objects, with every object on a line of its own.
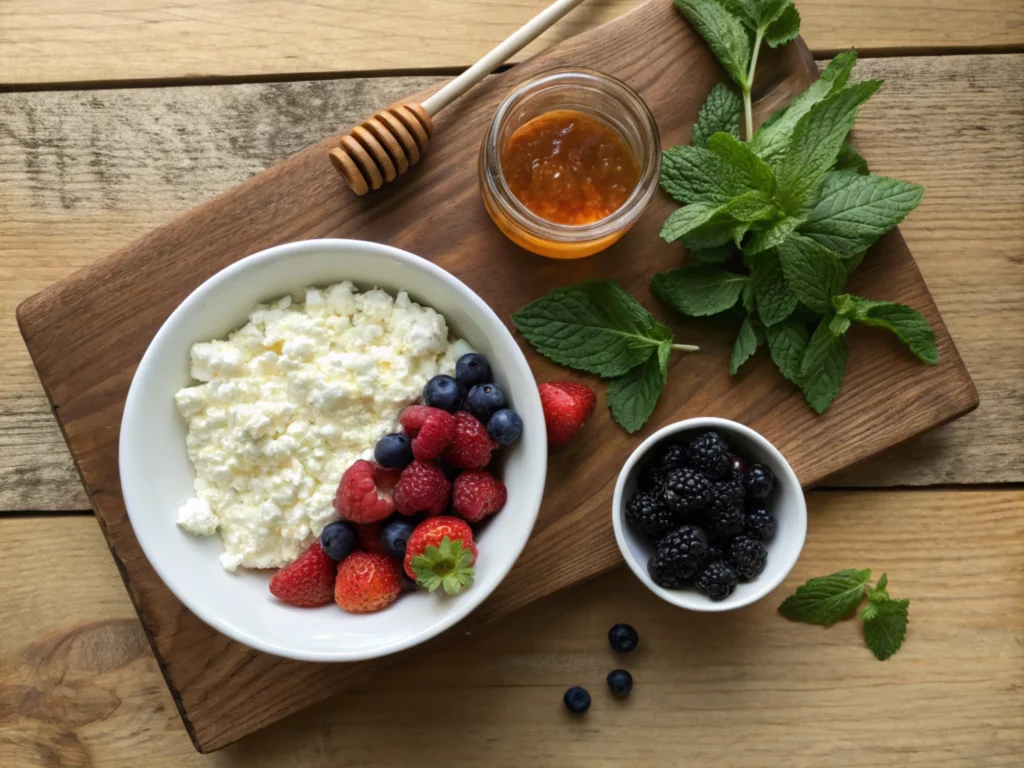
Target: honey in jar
[{"x": 569, "y": 168}]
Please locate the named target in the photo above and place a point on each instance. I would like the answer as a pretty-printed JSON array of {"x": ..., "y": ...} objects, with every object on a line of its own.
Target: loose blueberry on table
[
  {"x": 577, "y": 699},
  {"x": 620, "y": 682},
  {"x": 705, "y": 509},
  {"x": 623, "y": 638},
  {"x": 406, "y": 518}
]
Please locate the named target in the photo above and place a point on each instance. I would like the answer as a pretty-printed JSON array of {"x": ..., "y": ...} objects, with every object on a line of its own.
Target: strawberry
[
  {"x": 308, "y": 581},
  {"x": 422, "y": 487},
  {"x": 368, "y": 537},
  {"x": 366, "y": 492},
  {"x": 476, "y": 494},
  {"x": 440, "y": 553},
  {"x": 431, "y": 430},
  {"x": 366, "y": 583},
  {"x": 567, "y": 406},
  {"x": 471, "y": 447}
]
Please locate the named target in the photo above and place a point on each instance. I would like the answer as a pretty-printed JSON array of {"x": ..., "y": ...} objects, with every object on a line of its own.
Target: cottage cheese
[{"x": 292, "y": 399}]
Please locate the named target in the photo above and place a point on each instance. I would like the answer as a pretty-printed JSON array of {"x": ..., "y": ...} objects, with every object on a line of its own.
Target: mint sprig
[
  {"x": 829, "y": 599},
  {"x": 795, "y": 204},
  {"x": 597, "y": 327}
]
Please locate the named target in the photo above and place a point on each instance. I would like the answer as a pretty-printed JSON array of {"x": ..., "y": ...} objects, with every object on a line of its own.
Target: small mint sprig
[{"x": 829, "y": 599}]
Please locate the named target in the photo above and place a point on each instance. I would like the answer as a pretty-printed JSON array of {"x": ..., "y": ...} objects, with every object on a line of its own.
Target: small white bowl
[
  {"x": 157, "y": 477},
  {"x": 786, "y": 503}
]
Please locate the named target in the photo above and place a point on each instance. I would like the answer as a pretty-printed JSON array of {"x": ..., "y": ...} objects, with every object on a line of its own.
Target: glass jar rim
[{"x": 626, "y": 214}]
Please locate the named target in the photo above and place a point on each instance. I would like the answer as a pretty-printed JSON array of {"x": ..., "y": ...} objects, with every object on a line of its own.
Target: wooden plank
[
  {"x": 61, "y": 41},
  {"x": 79, "y": 687},
  {"x": 227, "y": 691},
  {"x": 82, "y": 173}
]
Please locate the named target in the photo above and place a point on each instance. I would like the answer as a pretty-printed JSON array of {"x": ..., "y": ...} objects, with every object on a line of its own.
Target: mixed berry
[
  {"x": 704, "y": 509},
  {"x": 406, "y": 518}
]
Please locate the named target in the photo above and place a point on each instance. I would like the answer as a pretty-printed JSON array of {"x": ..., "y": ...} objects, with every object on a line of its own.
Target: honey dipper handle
[{"x": 509, "y": 47}]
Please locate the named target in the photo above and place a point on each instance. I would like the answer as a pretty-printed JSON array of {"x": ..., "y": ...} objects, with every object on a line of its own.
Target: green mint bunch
[
  {"x": 829, "y": 599},
  {"x": 777, "y": 224},
  {"x": 597, "y": 327}
]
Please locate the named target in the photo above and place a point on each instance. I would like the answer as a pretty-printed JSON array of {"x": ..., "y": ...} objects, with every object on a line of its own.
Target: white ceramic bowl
[
  {"x": 157, "y": 477},
  {"x": 787, "y": 504}
]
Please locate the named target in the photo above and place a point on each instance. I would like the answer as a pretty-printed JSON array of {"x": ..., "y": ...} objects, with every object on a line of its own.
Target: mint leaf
[
  {"x": 750, "y": 207},
  {"x": 850, "y": 160},
  {"x": 714, "y": 255},
  {"x": 632, "y": 397},
  {"x": 721, "y": 112},
  {"x": 827, "y": 599},
  {"x": 751, "y": 171},
  {"x": 851, "y": 264},
  {"x": 684, "y": 220},
  {"x": 724, "y": 34},
  {"x": 784, "y": 29},
  {"x": 880, "y": 591},
  {"x": 813, "y": 273},
  {"x": 593, "y": 326},
  {"x": 775, "y": 300},
  {"x": 839, "y": 324},
  {"x": 749, "y": 339},
  {"x": 815, "y": 143},
  {"x": 698, "y": 291},
  {"x": 885, "y": 626},
  {"x": 771, "y": 139},
  {"x": 908, "y": 324},
  {"x": 851, "y": 211},
  {"x": 787, "y": 343},
  {"x": 823, "y": 366},
  {"x": 771, "y": 236}
]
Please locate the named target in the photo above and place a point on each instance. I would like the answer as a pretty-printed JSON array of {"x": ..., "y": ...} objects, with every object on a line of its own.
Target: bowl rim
[
  {"x": 787, "y": 477},
  {"x": 130, "y": 476}
]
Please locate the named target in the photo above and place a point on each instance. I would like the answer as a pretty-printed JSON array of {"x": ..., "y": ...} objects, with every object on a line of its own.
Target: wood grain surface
[
  {"x": 55, "y": 41},
  {"x": 85, "y": 172},
  {"x": 78, "y": 686},
  {"x": 226, "y": 691}
]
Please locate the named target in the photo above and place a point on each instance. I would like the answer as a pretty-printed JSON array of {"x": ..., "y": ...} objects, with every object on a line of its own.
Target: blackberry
[
  {"x": 760, "y": 523},
  {"x": 685, "y": 491},
  {"x": 717, "y": 581},
  {"x": 646, "y": 510},
  {"x": 710, "y": 454},
  {"x": 670, "y": 457},
  {"x": 651, "y": 477},
  {"x": 759, "y": 481},
  {"x": 680, "y": 554},
  {"x": 724, "y": 515},
  {"x": 716, "y": 551},
  {"x": 748, "y": 557}
]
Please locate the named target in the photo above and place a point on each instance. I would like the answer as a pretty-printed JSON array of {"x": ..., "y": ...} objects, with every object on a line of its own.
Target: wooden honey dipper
[{"x": 386, "y": 145}]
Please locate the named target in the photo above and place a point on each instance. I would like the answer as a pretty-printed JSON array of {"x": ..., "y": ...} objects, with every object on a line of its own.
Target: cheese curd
[{"x": 291, "y": 400}]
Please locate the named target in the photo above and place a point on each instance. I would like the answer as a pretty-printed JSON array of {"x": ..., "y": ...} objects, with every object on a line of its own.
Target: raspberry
[
  {"x": 680, "y": 554},
  {"x": 748, "y": 557},
  {"x": 422, "y": 488},
  {"x": 366, "y": 492},
  {"x": 686, "y": 491},
  {"x": 645, "y": 510},
  {"x": 471, "y": 446},
  {"x": 368, "y": 538},
  {"x": 477, "y": 494},
  {"x": 717, "y": 581},
  {"x": 709, "y": 453},
  {"x": 431, "y": 430}
]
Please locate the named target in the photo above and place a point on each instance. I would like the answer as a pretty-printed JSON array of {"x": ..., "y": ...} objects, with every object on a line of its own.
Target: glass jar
[{"x": 600, "y": 96}]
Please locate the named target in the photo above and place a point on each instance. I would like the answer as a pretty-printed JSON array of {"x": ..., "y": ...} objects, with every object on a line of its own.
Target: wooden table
[{"x": 117, "y": 115}]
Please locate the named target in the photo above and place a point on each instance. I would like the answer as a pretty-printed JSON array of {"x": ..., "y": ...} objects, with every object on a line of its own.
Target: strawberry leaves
[{"x": 448, "y": 565}]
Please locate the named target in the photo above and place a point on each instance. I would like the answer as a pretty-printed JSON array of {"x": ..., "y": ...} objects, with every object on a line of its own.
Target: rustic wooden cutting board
[{"x": 87, "y": 333}]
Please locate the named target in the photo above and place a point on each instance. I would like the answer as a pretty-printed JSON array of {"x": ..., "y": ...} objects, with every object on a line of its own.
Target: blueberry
[
  {"x": 620, "y": 682},
  {"x": 393, "y": 451},
  {"x": 442, "y": 392},
  {"x": 472, "y": 369},
  {"x": 505, "y": 426},
  {"x": 577, "y": 699},
  {"x": 395, "y": 536},
  {"x": 338, "y": 539},
  {"x": 623, "y": 638},
  {"x": 485, "y": 399},
  {"x": 759, "y": 481}
]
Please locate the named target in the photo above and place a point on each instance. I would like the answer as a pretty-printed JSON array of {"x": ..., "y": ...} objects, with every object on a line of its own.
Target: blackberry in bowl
[{"x": 709, "y": 514}]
